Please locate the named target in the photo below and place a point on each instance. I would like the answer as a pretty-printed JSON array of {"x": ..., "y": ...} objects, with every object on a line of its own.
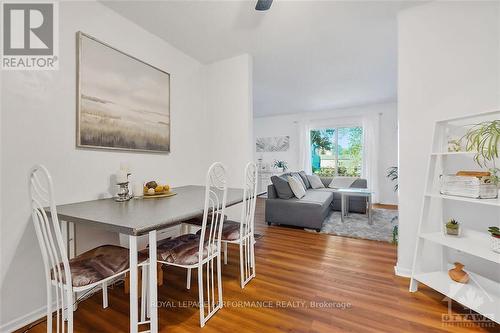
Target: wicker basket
[{"x": 467, "y": 186}]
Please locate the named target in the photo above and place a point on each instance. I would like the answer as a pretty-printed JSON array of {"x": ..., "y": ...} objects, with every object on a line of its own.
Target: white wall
[
  {"x": 448, "y": 66},
  {"x": 229, "y": 103},
  {"x": 38, "y": 126},
  {"x": 288, "y": 125}
]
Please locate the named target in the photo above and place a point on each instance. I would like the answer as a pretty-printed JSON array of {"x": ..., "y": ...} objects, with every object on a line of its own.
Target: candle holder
[{"x": 124, "y": 192}]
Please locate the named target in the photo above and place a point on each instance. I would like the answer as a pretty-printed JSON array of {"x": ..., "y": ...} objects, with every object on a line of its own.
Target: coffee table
[{"x": 345, "y": 193}]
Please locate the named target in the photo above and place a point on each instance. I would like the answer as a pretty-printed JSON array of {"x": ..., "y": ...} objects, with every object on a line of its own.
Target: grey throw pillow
[
  {"x": 303, "y": 176},
  {"x": 282, "y": 187},
  {"x": 315, "y": 181}
]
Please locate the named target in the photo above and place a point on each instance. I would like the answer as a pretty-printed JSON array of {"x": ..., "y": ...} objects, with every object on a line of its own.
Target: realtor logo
[{"x": 29, "y": 36}]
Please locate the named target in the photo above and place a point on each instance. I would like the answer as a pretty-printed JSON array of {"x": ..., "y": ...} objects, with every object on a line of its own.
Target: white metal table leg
[
  {"x": 133, "y": 283},
  {"x": 69, "y": 311},
  {"x": 370, "y": 213},
  {"x": 153, "y": 291},
  {"x": 71, "y": 240},
  {"x": 188, "y": 280},
  {"x": 144, "y": 281},
  {"x": 342, "y": 206},
  {"x": 225, "y": 252},
  {"x": 65, "y": 234},
  {"x": 68, "y": 233}
]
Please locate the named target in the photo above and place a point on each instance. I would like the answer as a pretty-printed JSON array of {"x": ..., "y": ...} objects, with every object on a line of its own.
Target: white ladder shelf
[{"x": 471, "y": 242}]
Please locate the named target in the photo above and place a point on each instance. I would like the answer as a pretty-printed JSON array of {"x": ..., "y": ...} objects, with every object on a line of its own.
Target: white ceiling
[{"x": 308, "y": 55}]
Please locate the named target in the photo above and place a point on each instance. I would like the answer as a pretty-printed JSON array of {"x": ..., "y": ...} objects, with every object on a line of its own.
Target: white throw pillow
[
  {"x": 315, "y": 181},
  {"x": 297, "y": 188}
]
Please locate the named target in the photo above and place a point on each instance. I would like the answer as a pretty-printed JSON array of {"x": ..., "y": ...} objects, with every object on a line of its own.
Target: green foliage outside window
[{"x": 337, "y": 151}]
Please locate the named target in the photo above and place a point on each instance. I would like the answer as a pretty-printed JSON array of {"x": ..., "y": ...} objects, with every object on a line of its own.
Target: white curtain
[
  {"x": 305, "y": 146},
  {"x": 371, "y": 134}
]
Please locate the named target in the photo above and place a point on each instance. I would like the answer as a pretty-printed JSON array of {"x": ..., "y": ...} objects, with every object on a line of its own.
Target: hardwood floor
[
  {"x": 385, "y": 206},
  {"x": 295, "y": 271}
]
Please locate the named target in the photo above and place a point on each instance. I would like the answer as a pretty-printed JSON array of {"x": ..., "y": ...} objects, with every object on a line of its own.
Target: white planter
[{"x": 495, "y": 244}]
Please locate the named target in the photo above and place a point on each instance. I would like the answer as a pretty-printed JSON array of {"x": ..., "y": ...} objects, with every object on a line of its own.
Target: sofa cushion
[
  {"x": 342, "y": 182},
  {"x": 315, "y": 181},
  {"x": 282, "y": 187},
  {"x": 360, "y": 183},
  {"x": 319, "y": 197},
  {"x": 299, "y": 178},
  {"x": 297, "y": 186},
  {"x": 303, "y": 176}
]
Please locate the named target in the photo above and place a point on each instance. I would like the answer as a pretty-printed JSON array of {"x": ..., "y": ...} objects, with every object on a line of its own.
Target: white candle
[
  {"x": 124, "y": 167},
  {"x": 121, "y": 177}
]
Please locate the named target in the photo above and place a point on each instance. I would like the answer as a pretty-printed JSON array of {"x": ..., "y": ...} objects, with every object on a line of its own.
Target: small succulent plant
[
  {"x": 494, "y": 231},
  {"x": 452, "y": 224},
  {"x": 453, "y": 227}
]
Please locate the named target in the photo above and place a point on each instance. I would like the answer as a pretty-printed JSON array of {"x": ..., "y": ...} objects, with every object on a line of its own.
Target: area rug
[{"x": 356, "y": 225}]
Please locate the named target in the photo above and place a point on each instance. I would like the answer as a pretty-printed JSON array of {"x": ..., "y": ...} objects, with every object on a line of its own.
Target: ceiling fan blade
[{"x": 263, "y": 5}]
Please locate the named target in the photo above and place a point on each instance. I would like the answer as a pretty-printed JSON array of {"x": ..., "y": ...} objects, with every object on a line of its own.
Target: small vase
[{"x": 457, "y": 274}]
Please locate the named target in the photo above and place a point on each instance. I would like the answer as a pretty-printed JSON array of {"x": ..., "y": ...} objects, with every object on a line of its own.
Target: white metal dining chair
[
  {"x": 242, "y": 233},
  {"x": 192, "y": 251},
  {"x": 92, "y": 269}
]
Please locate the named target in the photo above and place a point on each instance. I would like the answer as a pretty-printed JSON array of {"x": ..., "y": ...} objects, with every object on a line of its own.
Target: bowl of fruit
[{"x": 153, "y": 189}]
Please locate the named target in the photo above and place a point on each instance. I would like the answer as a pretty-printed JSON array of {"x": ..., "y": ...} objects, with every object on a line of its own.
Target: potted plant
[
  {"x": 283, "y": 165},
  {"x": 484, "y": 139},
  {"x": 453, "y": 227},
  {"x": 392, "y": 174},
  {"x": 495, "y": 238},
  {"x": 494, "y": 178}
]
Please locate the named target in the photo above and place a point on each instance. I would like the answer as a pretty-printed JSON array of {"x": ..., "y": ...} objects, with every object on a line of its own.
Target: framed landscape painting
[{"x": 123, "y": 102}]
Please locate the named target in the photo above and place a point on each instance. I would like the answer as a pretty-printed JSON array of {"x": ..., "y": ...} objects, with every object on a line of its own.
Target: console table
[{"x": 265, "y": 179}]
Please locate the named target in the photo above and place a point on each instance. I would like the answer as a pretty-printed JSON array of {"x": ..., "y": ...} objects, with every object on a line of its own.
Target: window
[{"x": 337, "y": 151}]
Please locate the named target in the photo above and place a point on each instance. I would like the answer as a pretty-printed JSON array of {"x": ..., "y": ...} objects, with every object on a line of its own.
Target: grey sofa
[{"x": 311, "y": 210}]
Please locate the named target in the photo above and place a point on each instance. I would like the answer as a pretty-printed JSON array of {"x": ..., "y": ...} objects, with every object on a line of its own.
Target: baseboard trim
[
  {"x": 24, "y": 320},
  {"x": 385, "y": 206},
  {"x": 40, "y": 313},
  {"x": 403, "y": 272}
]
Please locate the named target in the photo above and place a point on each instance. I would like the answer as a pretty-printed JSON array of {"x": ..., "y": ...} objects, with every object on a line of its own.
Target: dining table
[{"x": 135, "y": 218}]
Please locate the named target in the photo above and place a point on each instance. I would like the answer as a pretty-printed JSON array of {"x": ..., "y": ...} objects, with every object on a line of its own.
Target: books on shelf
[{"x": 467, "y": 186}]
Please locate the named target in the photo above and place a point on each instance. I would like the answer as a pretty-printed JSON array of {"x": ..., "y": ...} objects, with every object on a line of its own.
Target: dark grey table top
[{"x": 139, "y": 216}]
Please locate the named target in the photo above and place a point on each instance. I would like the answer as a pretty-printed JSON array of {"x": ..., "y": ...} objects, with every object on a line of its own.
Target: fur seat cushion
[
  {"x": 199, "y": 220},
  {"x": 182, "y": 250},
  {"x": 230, "y": 231},
  {"x": 96, "y": 265}
]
